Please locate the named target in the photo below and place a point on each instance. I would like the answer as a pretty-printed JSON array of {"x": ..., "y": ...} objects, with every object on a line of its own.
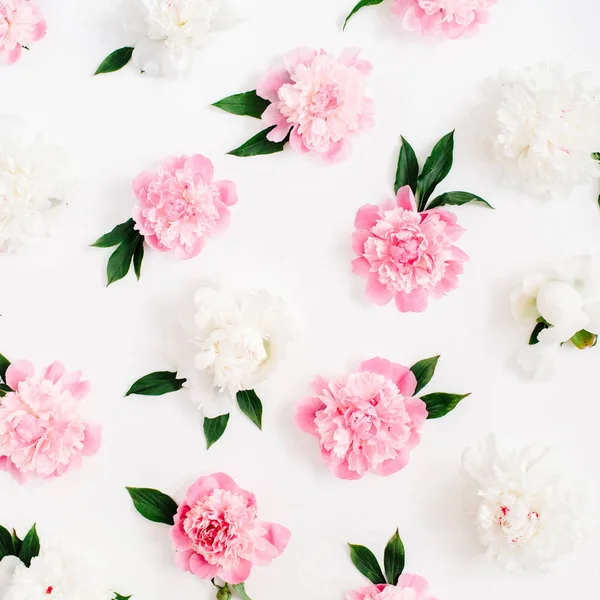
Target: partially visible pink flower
[
  {"x": 217, "y": 532},
  {"x": 410, "y": 587},
  {"x": 366, "y": 421},
  {"x": 181, "y": 206},
  {"x": 452, "y": 18},
  {"x": 320, "y": 98},
  {"x": 405, "y": 254},
  {"x": 41, "y": 432},
  {"x": 21, "y": 23}
]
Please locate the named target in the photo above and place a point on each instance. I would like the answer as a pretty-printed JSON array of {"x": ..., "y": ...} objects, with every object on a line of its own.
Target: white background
[{"x": 291, "y": 232}]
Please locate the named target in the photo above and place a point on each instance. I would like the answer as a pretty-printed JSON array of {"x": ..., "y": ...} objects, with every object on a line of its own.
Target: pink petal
[
  {"x": 367, "y": 216},
  {"x": 296, "y": 142},
  {"x": 402, "y": 376},
  {"x": 306, "y": 413},
  {"x": 142, "y": 181},
  {"x": 39, "y": 31},
  {"x": 270, "y": 83},
  {"x": 301, "y": 56},
  {"x": 348, "y": 56},
  {"x": 55, "y": 371},
  {"x": 416, "y": 301},
  {"x": 406, "y": 199},
  {"x": 13, "y": 55},
  {"x": 227, "y": 483},
  {"x": 377, "y": 292},
  {"x": 417, "y": 409},
  {"x": 73, "y": 383},
  {"x": 236, "y": 573},
  {"x": 18, "y": 371},
  {"x": 181, "y": 542},
  {"x": 459, "y": 255},
  {"x": 7, "y": 465},
  {"x": 227, "y": 191},
  {"x": 419, "y": 584},
  {"x": 359, "y": 238},
  {"x": 276, "y": 539},
  {"x": 361, "y": 266},
  {"x": 412, "y": 20},
  {"x": 187, "y": 252},
  {"x": 338, "y": 151},
  {"x": 272, "y": 116},
  {"x": 92, "y": 439},
  {"x": 393, "y": 465},
  {"x": 182, "y": 559},
  {"x": 201, "y": 568},
  {"x": 319, "y": 385},
  {"x": 449, "y": 282},
  {"x": 342, "y": 471},
  {"x": 202, "y": 165},
  {"x": 200, "y": 488}
]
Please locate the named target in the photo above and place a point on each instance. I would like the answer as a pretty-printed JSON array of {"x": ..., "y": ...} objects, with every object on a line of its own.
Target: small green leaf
[
  {"x": 247, "y": 104},
  {"x": 7, "y": 546},
  {"x": 115, "y": 60},
  {"x": 4, "y": 388},
  {"x": 259, "y": 144},
  {"x": 440, "y": 404},
  {"x": 119, "y": 262},
  {"x": 584, "y": 339},
  {"x": 436, "y": 168},
  {"x": 119, "y": 597},
  {"x": 156, "y": 384},
  {"x": 394, "y": 559},
  {"x": 240, "y": 591},
  {"x": 17, "y": 543},
  {"x": 360, "y": 5},
  {"x": 251, "y": 406},
  {"x": 153, "y": 505},
  {"x": 138, "y": 257},
  {"x": 214, "y": 428},
  {"x": 457, "y": 199},
  {"x": 364, "y": 560},
  {"x": 116, "y": 236},
  {"x": 30, "y": 547},
  {"x": 4, "y": 364},
  {"x": 541, "y": 325},
  {"x": 423, "y": 371},
  {"x": 407, "y": 172}
]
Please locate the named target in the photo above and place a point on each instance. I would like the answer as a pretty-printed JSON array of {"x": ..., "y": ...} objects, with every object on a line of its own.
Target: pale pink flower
[
  {"x": 405, "y": 254},
  {"x": 319, "y": 100},
  {"x": 366, "y": 421},
  {"x": 181, "y": 206},
  {"x": 452, "y": 18},
  {"x": 217, "y": 532},
  {"x": 41, "y": 432},
  {"x": 410, "y": 587},
  {"x": 21, "y": 23}
]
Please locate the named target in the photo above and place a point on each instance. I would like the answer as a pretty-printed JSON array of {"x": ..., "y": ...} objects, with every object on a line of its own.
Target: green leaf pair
[
  {"x": 4, "y": 364},
  {"x": 250, "y": 104},
  {"x": 115, "y": 60},
  {"x": 153, "y": 505},
  {"x": 438, "y": 404},
  {"x": 25, "y": 550},
  {"x": 435, "y": 170},
  {"x": 130, "y": 249},
  {"x": 393, "y": 561}
]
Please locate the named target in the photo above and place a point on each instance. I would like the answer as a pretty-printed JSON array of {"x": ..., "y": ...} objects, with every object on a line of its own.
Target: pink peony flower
[
  {"x": 405, "y": 254},
  {"x": 217, "y": 532},
  {"x": 320, "y": 98},
  {"x": 21, "y": 23},
  {"x": 453, "y": 18},
  {"x": 181, "y": 205},
  {"x": 40, "y": 430},
  {"x": 366, "y": 421},
  {"x": 410, "y": 587}
]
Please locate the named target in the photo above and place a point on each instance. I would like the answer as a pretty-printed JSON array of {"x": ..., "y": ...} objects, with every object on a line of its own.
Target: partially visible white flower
[
  {"x": 539, "y": 359},
  {"x": 544, "y": 125},
  {"x": 52, "y": 574},
  {"x": 32, "y": 184},
  {"x": 527, "y": 512},
  {"x": 233, "y": 346},
  {"x": 168, "y": 32}
]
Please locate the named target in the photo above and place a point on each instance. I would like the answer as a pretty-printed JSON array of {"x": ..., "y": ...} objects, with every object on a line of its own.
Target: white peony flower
[
  {"x": 527, "y": 513},
  {"x": 52, "y": 574},
  {"x": 233, "y": 346},
  {"x": 168, "y": 32},
  {"x": 544, "y": 126},
  {"x": 32, "y": 184}
]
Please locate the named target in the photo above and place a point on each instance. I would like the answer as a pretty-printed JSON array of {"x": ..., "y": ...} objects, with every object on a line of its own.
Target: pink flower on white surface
[
  {"x": 365, "y": 421},
  {"x": 452, "y": 18},
  {"x": 410, "y": 587},
  {"x": 405, "y": 254},
  {"x": 319, "y": 100},
  {"x": 41, "y": 432},
  {"x": 180, "y": 206},
  {"x": 217, "y": 532},
  {"x": 21, "y": 23}
]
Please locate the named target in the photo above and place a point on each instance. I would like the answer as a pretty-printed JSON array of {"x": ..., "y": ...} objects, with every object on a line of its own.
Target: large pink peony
[
  {"x": 366, "y": 421},
  {"x": 452, "y": 18},
  {"x": 217, "y": 532},
  {"x": 41, "y": 432},
  {"x": 320, "y": 98},
  {"x": 181, "y": 205},
  {"x": 405, "y": 254},
  {"x": 21, "y": 23},
  {"x": 410, "y": 587}
]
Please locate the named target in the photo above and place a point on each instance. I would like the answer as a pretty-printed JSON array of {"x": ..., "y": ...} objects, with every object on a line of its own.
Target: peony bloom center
[
  {"x": 325, "y": 101},
  {"x": 519, "y": 523},
  {"x": 460, "y": 11}
]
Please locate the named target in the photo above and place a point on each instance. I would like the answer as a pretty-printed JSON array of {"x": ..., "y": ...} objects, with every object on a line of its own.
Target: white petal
[
  {"x": 564, "y": 330},
  {"x": 539, "y": 359},
  {"x": 148, "y": 57}
]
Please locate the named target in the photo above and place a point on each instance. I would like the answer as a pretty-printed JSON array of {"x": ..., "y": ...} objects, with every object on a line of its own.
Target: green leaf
[
  {"x": 407, "y": 172},
  {"x": 116, "y": 236},
  {"x": 214, "y": 428},
  {"x": 119, "y": 262},
  {"x": 156, "y": 384},
  {"x": 423, "y": 371},
  {"x": 251, "y": 406},
  {"x": 4, "y": 388},
  {"x": 393, "y": 559},
  {"x": 119, "y": 597},
  {"x": 7, "y": 546},
  {"x": 360, "y": 5},
  {"x": 153, "y": 505},
  {"x": 584, "y": 339},
  {"x": 30, "y": 547},
  {"x": 17, "y": 543},
  {"x": 115, "y": 60},
  {"x": 457, "y": 199},
  {"x": 247, "y": 104},
  {"x": 4, "y": 364},
  {"x": 259, "y": 144},
  {"x": 138, "y": 257},
  {"x": 440, "y": 404},
  {"x": 364, "y": 560},
  {"x": 541, "y": 325},
  {"x": 436, "y": 168},
  {"x": 240, "y": 591}
]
